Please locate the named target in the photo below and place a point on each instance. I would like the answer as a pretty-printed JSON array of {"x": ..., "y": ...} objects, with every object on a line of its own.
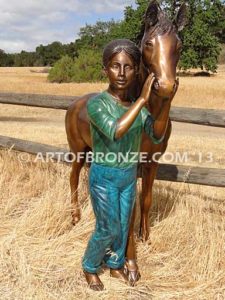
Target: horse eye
[{"x": 148, "y": 44}]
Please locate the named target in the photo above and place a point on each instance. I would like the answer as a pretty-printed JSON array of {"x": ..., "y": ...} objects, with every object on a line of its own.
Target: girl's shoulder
[
  {"x": 97, "y": 103},
  {"x": 99, "y": 97}
]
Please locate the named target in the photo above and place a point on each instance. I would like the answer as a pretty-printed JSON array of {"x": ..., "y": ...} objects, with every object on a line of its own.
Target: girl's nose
[{"x": 122, "y": 71}]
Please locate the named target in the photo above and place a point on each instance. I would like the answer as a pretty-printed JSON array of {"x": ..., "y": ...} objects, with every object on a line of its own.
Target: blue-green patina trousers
[{"x": 113, "y": 192}]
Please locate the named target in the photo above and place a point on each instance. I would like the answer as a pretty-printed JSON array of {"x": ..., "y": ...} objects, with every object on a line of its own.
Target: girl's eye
[
  {"x": 128, "y": 67},
  {"x": 115, "y": 66}
]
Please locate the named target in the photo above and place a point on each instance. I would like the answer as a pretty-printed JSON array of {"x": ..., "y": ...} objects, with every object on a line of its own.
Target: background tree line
[
  {"x": 81, "y": 60},
  {"x": 43, "y": 55}
]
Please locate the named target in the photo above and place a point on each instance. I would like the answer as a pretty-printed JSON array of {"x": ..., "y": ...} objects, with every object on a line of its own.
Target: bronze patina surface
[{"x": 160, "y": 47}]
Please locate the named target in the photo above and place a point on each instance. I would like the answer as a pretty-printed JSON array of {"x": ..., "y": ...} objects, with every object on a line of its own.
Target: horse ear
[
  {"x": 151, "y": 15},
  {"x": 181, "y": 17}
]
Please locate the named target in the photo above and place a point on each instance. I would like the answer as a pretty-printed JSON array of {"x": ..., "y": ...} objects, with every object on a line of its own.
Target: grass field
[
  {"x": 40, "y": 251},
  {"x": 193, "y": 91}
]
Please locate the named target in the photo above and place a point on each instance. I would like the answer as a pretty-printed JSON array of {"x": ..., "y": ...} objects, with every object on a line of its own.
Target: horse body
[{"x": 160, "y": 47}]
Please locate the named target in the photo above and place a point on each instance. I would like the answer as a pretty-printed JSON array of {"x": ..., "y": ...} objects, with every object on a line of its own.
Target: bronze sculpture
[
  {"x": 116, "y": 123},
  {"x": 160, "y": 47}
]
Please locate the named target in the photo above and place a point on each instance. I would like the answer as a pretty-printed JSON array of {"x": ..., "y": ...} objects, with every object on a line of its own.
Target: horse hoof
[
  {"x": 132, "y": 272},
  {"x": 133, "y": 277},
  {"x": 75, "y": 221},
  {"x": 75, "y": 218}
]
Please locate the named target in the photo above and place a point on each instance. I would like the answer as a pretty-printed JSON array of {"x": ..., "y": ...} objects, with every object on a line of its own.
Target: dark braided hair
[{"x": 116, "y": 46}]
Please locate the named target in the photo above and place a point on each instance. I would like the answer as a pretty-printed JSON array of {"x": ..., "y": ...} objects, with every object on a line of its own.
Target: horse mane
[{"x": 163, "y": 26}]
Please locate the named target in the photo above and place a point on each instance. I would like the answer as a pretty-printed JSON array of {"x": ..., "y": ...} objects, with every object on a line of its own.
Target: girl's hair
[{"x": 116, "y": 46}]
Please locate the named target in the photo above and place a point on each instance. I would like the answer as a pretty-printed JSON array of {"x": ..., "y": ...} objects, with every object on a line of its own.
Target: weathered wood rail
[
  {"x": 209, "y": 117},
  {"x": 37, "y": 100},
  {"x": 177, "y": 173}
]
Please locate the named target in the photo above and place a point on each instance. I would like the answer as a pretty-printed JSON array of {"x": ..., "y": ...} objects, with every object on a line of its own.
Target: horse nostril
[{"x": 156, "y": 84}]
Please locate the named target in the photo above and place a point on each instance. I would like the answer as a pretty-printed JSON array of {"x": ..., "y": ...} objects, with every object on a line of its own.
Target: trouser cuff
[
  {"x": 90, "y": 269},
  {"x": 117, "y": 265}
]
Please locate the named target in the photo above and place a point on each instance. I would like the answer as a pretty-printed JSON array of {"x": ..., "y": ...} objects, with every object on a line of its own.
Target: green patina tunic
[{"x": 104, "y": 112}]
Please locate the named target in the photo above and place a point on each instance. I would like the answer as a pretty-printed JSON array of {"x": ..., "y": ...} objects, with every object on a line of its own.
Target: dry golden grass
[
  {"x": 193, "y": 91},
  {"x": 202, "y": 92},
  {"x": 30, "y": 80},
  {"x": 41, "y": 251},
  {"x": 40, "y": 254}
]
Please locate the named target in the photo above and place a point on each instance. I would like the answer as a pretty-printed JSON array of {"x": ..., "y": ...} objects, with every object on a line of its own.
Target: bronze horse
[{"x": 160, "y": 47}]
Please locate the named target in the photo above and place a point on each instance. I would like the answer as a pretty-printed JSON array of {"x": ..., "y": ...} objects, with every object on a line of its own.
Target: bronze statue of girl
[{"x": 116, "y": 122}]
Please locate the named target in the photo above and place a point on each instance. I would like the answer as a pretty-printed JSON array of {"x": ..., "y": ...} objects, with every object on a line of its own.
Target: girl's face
[{"x": 121, "y": 71}]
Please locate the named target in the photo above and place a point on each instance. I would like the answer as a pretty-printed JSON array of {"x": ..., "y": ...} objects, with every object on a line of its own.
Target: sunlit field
[
  {"x": 40, "y": 250},
  {"x": 193, "y": 91}
]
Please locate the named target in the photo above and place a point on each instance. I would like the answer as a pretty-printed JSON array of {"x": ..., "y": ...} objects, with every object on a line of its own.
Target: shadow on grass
[{"x": 194, "y": 74}]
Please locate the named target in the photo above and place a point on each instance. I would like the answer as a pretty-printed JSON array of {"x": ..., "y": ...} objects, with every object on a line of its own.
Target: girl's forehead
[{"x": 122, "y": 56}]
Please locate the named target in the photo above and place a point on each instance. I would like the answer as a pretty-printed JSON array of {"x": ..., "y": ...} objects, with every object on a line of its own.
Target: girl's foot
[{"x": 93, "y": 281}]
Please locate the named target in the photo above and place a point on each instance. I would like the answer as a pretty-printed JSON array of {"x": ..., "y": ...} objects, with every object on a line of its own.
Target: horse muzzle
[{"x": 164, "y": 88}]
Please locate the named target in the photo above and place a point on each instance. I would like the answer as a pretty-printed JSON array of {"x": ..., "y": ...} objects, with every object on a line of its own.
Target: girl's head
[{"x": 119, "y": 45}]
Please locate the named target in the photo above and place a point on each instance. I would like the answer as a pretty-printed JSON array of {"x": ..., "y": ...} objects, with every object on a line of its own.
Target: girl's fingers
[
  {"x": 150, "y": 78},
  {"x": 150, "y": 81},
  {"x": 146, "y": 90}
]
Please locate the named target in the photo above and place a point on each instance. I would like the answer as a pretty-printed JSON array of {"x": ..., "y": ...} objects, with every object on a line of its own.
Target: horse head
[{"x": 161, "y": 46}]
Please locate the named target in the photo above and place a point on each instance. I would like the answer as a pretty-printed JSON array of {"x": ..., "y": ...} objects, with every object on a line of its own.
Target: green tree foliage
[
  {"x": 24, "y": 59},
  {"x": 6, "y": 60},
  {"x": 96, "y": 36},
  {"x": 62, "y": 71},
  {"x": 133, "y": 17},
  {"x": 43, "y": 56},
  {"x": 88, "y": 66},
  {"x": 201, "y": 46},
  {"x": 49, "y": 54},
  {"x": 201, "y": 37},
  {"x": 71, "y": 49}
]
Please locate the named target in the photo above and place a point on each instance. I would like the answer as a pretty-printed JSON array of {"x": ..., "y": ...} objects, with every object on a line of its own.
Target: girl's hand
[{"x": 146, "y": 90}]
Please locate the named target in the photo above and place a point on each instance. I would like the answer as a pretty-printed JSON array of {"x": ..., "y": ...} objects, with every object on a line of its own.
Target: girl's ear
[
  {"x": 104, "y": 71},
  {"x": 136, "y": 68}
]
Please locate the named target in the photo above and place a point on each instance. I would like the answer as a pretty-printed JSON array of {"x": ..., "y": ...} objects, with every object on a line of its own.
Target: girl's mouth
[{"x": 121, "y": 81}]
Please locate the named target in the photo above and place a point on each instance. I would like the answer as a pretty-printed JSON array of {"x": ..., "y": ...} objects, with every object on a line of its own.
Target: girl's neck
[{"x": 119, "y": 95}]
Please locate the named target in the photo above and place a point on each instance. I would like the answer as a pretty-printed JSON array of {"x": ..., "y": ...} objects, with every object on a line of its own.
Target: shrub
[
  {"x": 62, "y": 71},
  {"x": 88, "y": 66}
]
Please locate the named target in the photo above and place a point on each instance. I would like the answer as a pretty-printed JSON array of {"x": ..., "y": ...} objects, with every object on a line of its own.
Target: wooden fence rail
[
  {"x": 177, "y": 173},
  {"x": 210, "y": 117}
]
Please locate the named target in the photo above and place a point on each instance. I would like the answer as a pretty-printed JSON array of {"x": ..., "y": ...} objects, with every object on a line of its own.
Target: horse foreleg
[
  {"x": 74, "y": 181},
  {"x": 131, "y": 267},
  {"x": 148, "y": 176}
]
